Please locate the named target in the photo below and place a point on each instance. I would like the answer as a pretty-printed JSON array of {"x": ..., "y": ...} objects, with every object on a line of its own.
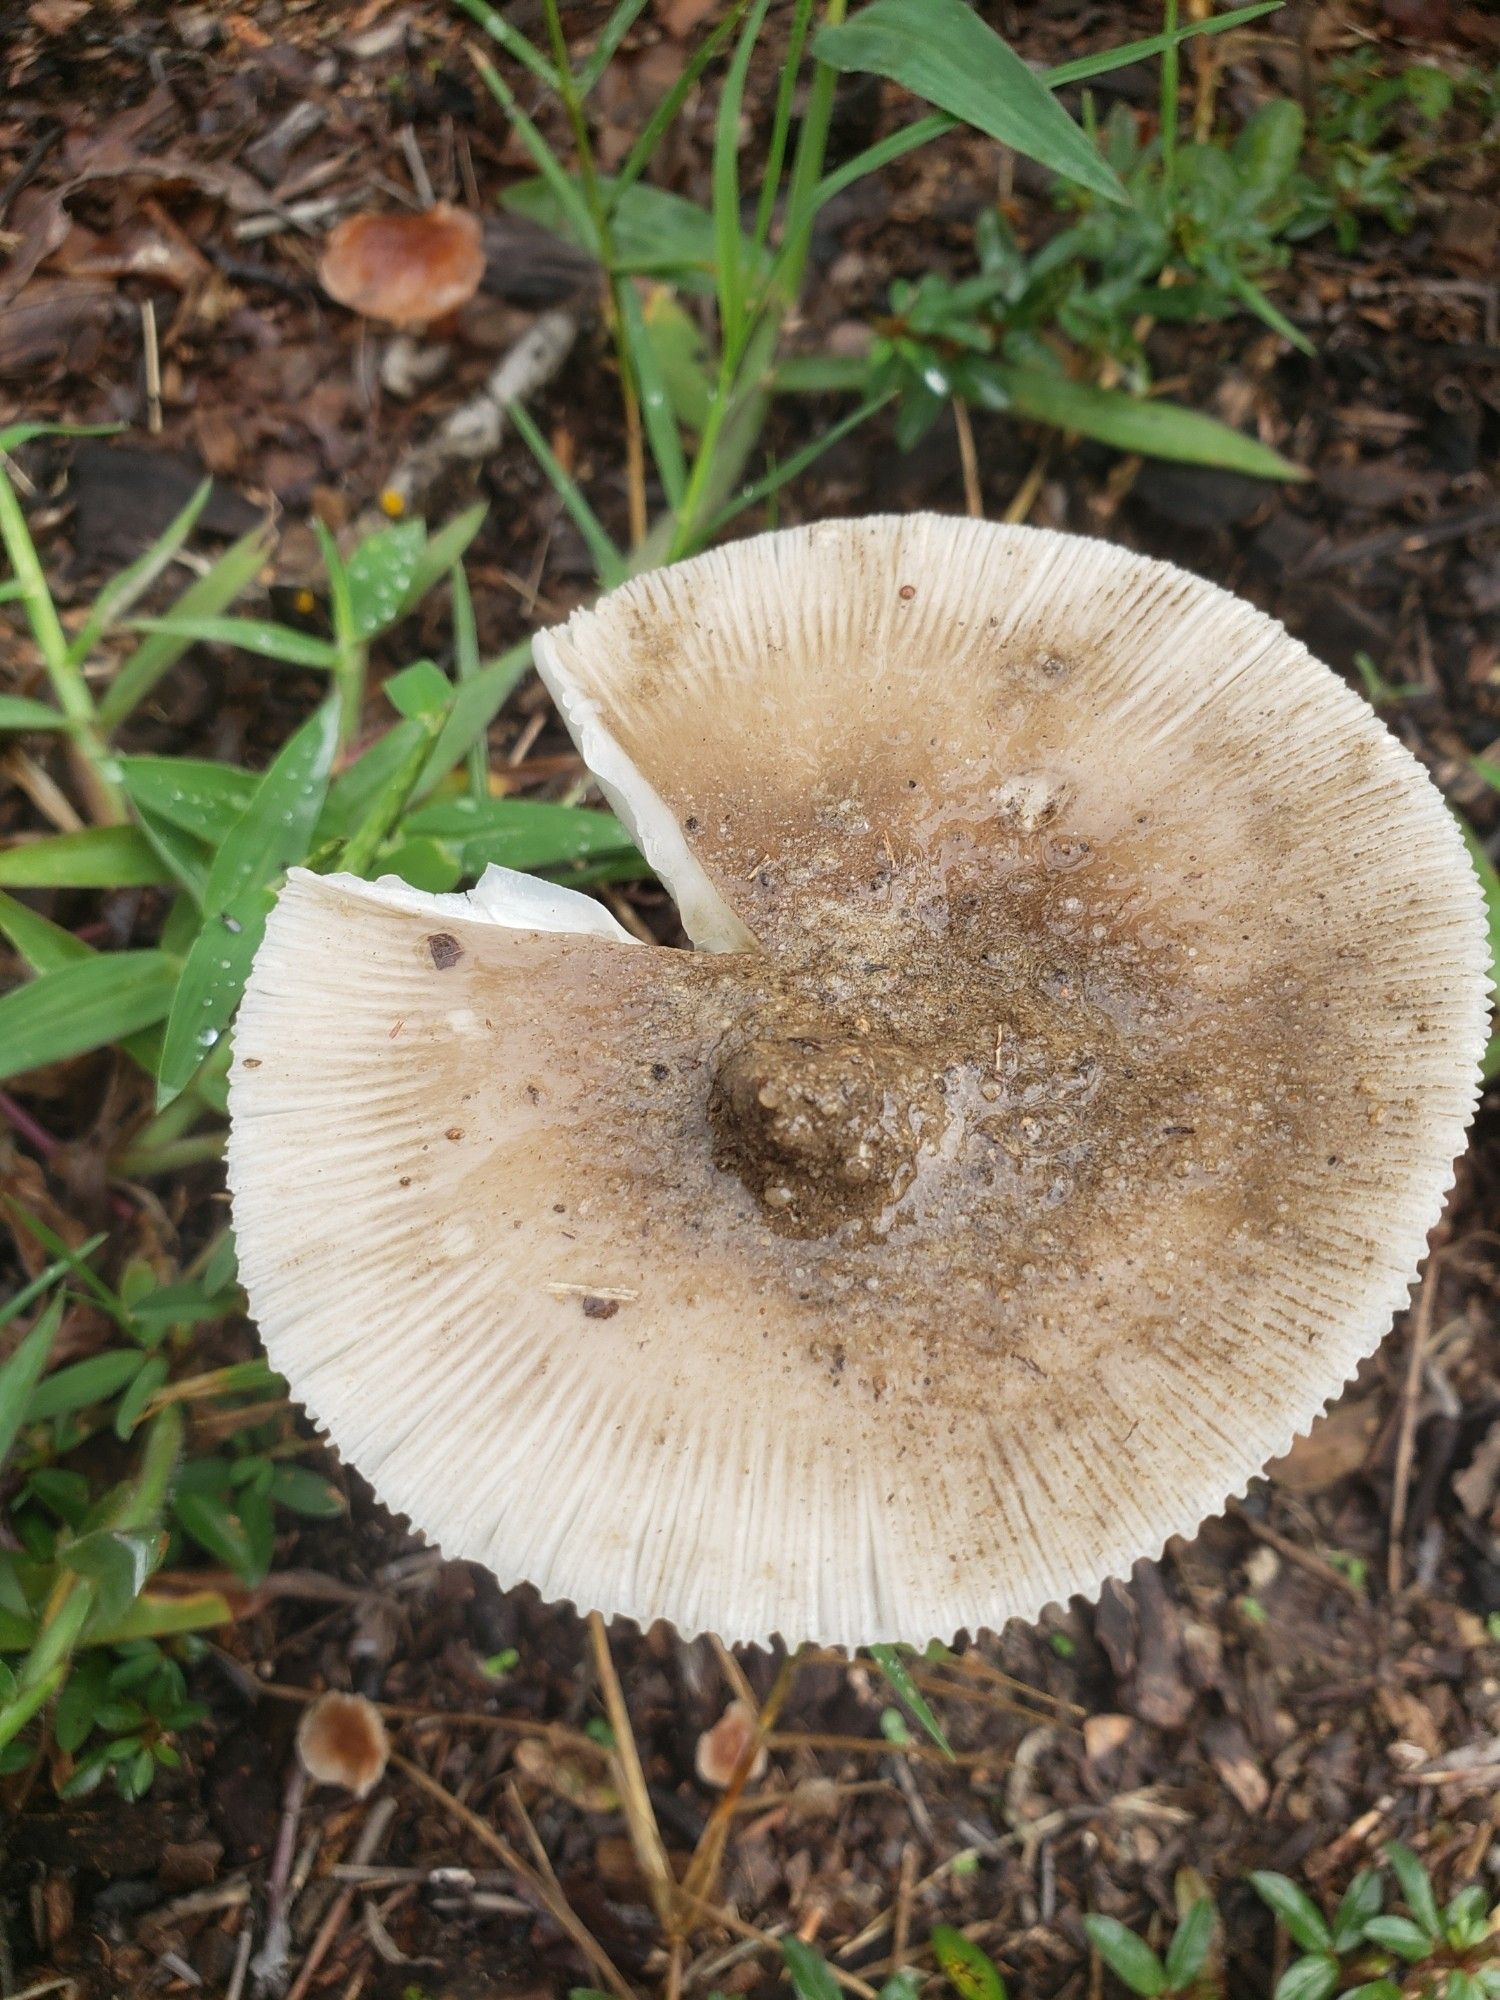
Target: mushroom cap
[
  {"x": 341, "y": 1740},
  {"x": 1087, "y": 1013},
  {"x": 405, "y": 269}
]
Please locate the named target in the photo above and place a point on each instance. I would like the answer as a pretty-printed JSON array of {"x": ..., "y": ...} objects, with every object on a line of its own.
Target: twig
[
  {"x": 1306, "y": 1559},
  {"x": 968, "y": 458},
  {"x": 370, "y": 1836},
  {"x": 1421, "y": 1327},
  {"x": 1025, "y": 495},
  {"x": 640, "y": 1814},
  {"x": 1400, "y": 541},
  {"x": 271, "y": 1961},
  {"x": 153, "y": 366},
  {"x": 474, "y": 430},
  {"x": 703, "y": 1869},
  {"x": 551, "y": 1899}
]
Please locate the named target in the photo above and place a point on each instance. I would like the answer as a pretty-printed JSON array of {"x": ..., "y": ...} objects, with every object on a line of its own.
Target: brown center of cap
[{"x": 823, "y": 1124}]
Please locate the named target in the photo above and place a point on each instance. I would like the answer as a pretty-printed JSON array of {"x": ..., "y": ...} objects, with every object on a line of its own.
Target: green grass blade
[
  {"x": 512, "y": 41},
  {"x": 781, "y": 122},
  {"x": 443, "y": 551},
  {"x": 17, "y": 712},
  {"x": 1124, "y": 54},
  {"x": 158, "y": 654},
  {"x": 201, "y": 797},
  {"x": 725, "y": 176},
  {"x": 1489, "y": 882},
  {"x": 96, "y": 857},
  {"x": 940, "y": 50},
  {"x": 475, "y": 706},
  {"x": 117, "y": 596},
  {"x": 1129, "y": 423},
  {"x": 83, "y": 1006},
  {"x": 519, "y": 833},
  {"x": 657, "y": 409},
  {"x": 891, "y": 1664},
  {"x": 467, "y": 669},
  {"x": 41, "y": 613},
  {"x": 808, "y": 1970},
  {"x": 45, "y": 946},
  {"x": 22, "y": 1372},
  {"x": 1251, "y": 295},
  {"x": 608, "y": 560},
  {"x": 261, "y": 636},
  {"x": 273, "y": 832},
  {"x": 614, "y": 31},
  {"x": 895, "y": 145},
  {"x": 564, "y": 189},
  {"x": 667, "y": 111},
  {"x": 790, "y": 469}
]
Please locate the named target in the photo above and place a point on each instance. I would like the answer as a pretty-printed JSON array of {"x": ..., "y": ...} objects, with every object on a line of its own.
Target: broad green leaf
[
  {"x": 679, "y": 357},
  {"x": 425, "y": 864},
  {"x": 891, "y": 1664},
  {"x": 17, "y": 712},
  {"x": 1128, "y": 1957},
  {"x": 808, "y": 1970},
  {"x": 303, "y": 1492},
  {"x": 96, "y": 857},
  {"x": 21, "y": 1373},
  {"x": 1360, "y": 1901},
  {"x": 1400, "y": 1935},
  {"x": 478, "y": 701},
  {"x": 1308, "y": 1979},
  {"x": 273, "y": 832},
  {"x": 356, "y": 791},
  {"x": 518, "y": 833},
  {"x": 380, "y": 574},
  {"x": 83, "y": 1006},
  {"x": 940, "y": 50},
  {"x": 202, "y": 798},
  {"x": 420, "y": 692},
  {"x": 93, "y": 1381},
  {"x": 158, "y": 654},
  {"x": 1188, "y": 1952},
  {"x": 73, "y": 1717},
  {"x": 1161, "y": 430},
  {"x": 250, "y": 635},
  {"x": 215, "y": 1526},
  {"x": 442, "y": 551},
  {"x": 156, "y": 1617},
  {"x": 654, "y": 232},
  {"x": 971, "y": 1973},
  {"x": 132, "y": 1405},
  {"x": 1300, "y": 1916},
  {"x": 116, "y": 1562}
]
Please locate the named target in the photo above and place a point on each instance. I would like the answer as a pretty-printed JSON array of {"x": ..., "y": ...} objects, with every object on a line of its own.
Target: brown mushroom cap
[
  {"x": 341, "y": 1740},
  {"x": 1087, "y": 1014},
  {"x": 405, "y": 269}
]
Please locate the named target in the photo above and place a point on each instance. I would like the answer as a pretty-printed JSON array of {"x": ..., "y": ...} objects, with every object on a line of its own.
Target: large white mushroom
[{"x": 1086, "y": 1014}]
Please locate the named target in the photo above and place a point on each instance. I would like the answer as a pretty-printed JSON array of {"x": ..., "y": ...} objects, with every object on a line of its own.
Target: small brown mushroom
[
  {"x": 408, "y": 270},
  {"x": 342, "y": 1741},
  {"x": 719, "y": 1750},
  {"x": 1086, "y": 1013}
]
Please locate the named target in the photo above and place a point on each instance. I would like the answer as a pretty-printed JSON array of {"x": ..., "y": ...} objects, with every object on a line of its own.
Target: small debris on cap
[
  {"x": 342, "y": 1741},
  {"x": 720, "y": 1749},
  {"x": 407, "y": 270}
]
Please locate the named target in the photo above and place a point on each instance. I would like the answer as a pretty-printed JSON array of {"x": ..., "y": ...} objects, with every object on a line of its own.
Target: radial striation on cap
[{"x": 1086, "y": 1017}]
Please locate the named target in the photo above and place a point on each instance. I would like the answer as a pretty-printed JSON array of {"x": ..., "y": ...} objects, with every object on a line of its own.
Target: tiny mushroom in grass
[
  {"x": 1086, "y": 1013},
  {"x": 408, "y": 270},
  {"x": 342, "y": 1741},
  {"x": 719, "y": 1750}
]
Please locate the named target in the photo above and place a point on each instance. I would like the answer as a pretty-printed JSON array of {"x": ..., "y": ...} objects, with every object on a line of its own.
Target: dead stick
[
  {"x": 1407, "y": 1435},
  {"x": 552, "y": 1900}
]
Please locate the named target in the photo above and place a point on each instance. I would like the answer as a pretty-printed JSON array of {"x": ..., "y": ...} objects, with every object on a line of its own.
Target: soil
[{"x": 1317, "y": 1671}]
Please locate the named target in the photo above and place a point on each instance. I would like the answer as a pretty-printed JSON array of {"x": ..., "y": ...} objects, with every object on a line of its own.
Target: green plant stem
[
  {"x": 87, "y": 749},
  {"x": 1170, "y": 69},
  {"x": 144, "y": 1162},
  {"x": 588, "y": 175}
]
